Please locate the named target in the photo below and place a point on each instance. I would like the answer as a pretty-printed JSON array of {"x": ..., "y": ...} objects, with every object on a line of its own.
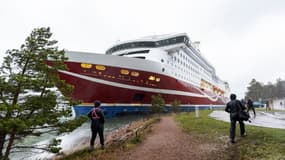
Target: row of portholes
[
  {"x": 127, "y": 72},
  {"x": 122, "y": 71},
  {"x": 88, "y": 66},
  {"x": 207, "y": 85}
]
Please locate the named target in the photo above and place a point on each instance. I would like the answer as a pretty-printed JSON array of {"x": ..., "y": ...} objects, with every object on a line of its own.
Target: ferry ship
[{"x": 129, "y": 73}]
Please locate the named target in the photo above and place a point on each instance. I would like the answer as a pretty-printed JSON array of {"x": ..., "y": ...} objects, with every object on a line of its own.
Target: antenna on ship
[{"x": 197, "y": 45}]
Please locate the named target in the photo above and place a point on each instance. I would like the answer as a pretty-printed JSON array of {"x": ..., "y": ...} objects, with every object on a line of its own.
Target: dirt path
[{"x": 168, "y": 141}]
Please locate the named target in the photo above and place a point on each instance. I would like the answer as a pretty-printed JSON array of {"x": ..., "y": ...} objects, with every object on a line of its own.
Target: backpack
[
  {"x": 94, "y": 114},
  {"x": 244, "y": 116}
]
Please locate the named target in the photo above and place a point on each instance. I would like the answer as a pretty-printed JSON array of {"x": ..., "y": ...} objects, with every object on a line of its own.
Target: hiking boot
[
  {"x": 243, "y": 135},
  {"x": 233, "y": 141},
  {"x": 102, "y": 147}
]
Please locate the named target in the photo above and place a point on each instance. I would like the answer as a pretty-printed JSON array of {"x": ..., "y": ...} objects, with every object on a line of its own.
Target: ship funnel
[{"x": 197, "y": 45}]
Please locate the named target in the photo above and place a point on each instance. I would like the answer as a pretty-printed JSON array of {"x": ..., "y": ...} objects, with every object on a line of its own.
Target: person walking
[
  {"x": 234, "y": 107},
  {"x": 96, "y": 116},
  {"x": 243, "y": 102},
  {"x": 250, "y": 107}
]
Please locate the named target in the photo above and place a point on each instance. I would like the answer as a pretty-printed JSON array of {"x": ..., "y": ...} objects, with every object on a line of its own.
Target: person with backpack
[
  {"x": 250, "y": 107},
  {"x": 243, "y": 102},
  {"x": 234, "y": 107},
  {"x": 96, "y": 116}
]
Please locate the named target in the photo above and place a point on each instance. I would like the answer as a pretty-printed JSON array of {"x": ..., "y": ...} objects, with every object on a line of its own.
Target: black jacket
[
  {"x": 249, "y": 104},
  {"x": 234, "y": 107},
  {"x": 100, "y": 114}
]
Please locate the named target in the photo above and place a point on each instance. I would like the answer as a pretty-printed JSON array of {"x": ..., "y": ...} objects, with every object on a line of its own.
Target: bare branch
[
  {"x": 15, "y": 100},
  {"x": 3, "y": 99}
]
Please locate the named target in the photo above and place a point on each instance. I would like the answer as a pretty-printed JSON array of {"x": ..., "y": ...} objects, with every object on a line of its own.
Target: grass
[{"x": 259, "y": 144}]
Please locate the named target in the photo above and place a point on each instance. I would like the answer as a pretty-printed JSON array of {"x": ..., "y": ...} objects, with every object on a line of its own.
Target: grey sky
[{"x": 241, "y": 38}]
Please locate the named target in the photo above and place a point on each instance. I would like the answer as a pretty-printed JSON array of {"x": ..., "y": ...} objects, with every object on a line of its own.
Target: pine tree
[
  {"x": 175, "y": 105},
  {"x": 157, "y": 103},
  {"x": 280, "y": 88},
  {"x": 29, "y": 102},
  {"x": 255, "y": 90}
]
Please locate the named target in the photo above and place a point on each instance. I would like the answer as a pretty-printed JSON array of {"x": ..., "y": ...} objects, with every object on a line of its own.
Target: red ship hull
[{"x": 109, "y": 86}]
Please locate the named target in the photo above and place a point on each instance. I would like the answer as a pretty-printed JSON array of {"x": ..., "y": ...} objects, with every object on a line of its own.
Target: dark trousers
[
  {"x": 97, "y": 129},
  {"x": 233, "y": 128},
  {"x": 251, "y": 108}
]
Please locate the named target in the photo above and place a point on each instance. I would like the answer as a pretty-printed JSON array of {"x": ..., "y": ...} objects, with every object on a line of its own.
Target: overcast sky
[{"x": 242, "y": 39}]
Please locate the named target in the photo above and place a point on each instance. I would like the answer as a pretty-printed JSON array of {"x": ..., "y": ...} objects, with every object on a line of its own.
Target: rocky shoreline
[{"x": 115, "y": 137}]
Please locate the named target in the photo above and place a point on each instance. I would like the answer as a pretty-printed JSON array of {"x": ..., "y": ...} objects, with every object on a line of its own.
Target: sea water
[{"x": 71, "y": 141}]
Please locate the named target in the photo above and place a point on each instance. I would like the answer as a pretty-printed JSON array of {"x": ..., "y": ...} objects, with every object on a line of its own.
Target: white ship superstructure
[
  {"x": 180, "y": 57},
  {"x": 132, "y": 71}
]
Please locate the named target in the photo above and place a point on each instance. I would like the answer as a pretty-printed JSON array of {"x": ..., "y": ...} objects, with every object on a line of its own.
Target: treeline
[{"x": 259, "y": 91}]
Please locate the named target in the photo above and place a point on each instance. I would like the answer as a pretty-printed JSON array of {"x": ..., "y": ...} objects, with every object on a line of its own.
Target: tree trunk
[
  {"x": 8, "y": 149},
  {"x": 2, "y": 142}
]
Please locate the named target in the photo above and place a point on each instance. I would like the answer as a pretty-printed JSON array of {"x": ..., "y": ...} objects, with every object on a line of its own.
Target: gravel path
[{"x": 168, "y": 141}]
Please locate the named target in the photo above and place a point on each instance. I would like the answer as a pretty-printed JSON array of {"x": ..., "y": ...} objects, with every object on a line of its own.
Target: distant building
[{"x": 279, "y": 103}]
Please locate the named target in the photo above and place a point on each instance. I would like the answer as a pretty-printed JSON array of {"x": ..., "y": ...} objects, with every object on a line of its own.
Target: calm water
[{"x": 70, "y": 141}]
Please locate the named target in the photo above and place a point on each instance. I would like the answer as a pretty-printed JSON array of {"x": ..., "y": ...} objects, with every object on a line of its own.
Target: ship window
[
  {"x": 152, "y": 78},
  {"x": 135, "y": 52},
  {"x": 138, "y": 97},
  {"x": 140, "y": 57},
  {"x": 135, "y": 74},
  {"x": 86, "y": 65},
  {"x": 124, "y": 71},
  {"x": 100, "y": 67}
]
